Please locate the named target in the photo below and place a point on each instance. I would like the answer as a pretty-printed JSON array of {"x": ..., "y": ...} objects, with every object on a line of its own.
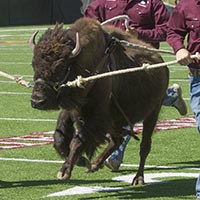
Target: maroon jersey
[
  {"x": 185, "y": 21},
  {"x": 149, "y": 17}
]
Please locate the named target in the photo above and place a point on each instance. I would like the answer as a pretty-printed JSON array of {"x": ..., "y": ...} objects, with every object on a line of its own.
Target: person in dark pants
[{"x": 148, "y": 19}]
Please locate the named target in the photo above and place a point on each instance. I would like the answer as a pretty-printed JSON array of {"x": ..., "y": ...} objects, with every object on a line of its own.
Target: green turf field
[{"x": 29, "y": 173}]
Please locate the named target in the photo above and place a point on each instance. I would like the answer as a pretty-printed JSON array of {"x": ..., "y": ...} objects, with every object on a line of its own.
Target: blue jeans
[
  {"x": 119, "y": 153},
  {"x": 198, "y": 187},
  {"x": 195, "y": 106},
  {"x": 195, "y": 97},
  {"x": 170, "y": 97}
]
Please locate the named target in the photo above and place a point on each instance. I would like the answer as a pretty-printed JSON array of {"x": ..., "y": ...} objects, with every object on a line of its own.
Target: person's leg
[
  {"x": 198, "y": 188},
  {"x": 115, "y": 159},
  {"x": 174, "y": 98},
  {"x": 195, "y": 98},
  {"x": 195, "y": 106}
]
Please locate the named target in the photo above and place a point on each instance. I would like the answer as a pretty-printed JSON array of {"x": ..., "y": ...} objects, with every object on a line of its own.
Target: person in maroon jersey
[{"x": 185, "y": 22}]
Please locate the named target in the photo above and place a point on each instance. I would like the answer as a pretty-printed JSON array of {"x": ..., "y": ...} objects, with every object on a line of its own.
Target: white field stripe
[
  {"x": 24, "y": 119},
  {"x": 29, "y": 160},
  {"x": 79, "y": 190},
  {"x": 5, "y": 46},
  {"x": 23, "y": 76},
  {"x": 16, "y": 54},
  {"x": 123, "y": 165},
  {"x": 22, "y": 29},
  {"x": 13, "y": 35},
  {"x": 16, "y": 93},
  {"x": 15, "y": 63}
]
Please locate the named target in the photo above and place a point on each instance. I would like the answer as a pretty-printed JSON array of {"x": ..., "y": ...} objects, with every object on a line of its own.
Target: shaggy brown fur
[{"x": 89, "y": 114}]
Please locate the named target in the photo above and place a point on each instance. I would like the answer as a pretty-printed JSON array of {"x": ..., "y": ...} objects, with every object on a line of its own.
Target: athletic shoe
[
  {"x": 179, "y": 104},
  {"x": 113, "y": 164}
]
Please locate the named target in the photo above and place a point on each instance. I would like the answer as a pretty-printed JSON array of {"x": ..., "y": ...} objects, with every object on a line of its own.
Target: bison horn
[
  {"x": 32, "y": 40},
  {"x": 77, "y": 48}
]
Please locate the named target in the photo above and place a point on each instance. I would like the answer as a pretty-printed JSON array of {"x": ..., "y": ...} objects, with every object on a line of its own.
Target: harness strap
[{"x": 125, "y": 116}]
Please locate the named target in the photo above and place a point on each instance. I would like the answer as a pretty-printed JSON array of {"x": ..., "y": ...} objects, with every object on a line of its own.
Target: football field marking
[
  {"x": 34, "y": 139},
  {"x": 122, "y": 165},
  {"x": 150, "y": 178},
  {"x": 26, "y": 119}
]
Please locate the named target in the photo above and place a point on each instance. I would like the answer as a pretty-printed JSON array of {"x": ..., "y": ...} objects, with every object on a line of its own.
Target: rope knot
[
  {"x": 78, "y": 82},
  {"x": 197, "y": 54},
  {"x": 145, "y": 66}
]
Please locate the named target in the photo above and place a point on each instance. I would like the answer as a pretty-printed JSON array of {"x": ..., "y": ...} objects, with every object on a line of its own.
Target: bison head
[
  {"x": 61, "y": 55},
  {"x": 53, "y": 56}
]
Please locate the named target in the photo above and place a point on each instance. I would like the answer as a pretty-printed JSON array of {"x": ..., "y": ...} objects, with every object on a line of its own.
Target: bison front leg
[
  {"x": 145, "y": 146},
  {"x": 63, "y": 134},
  {"x": 114, "y": 143},
  {"x": 75, "y": 149}
]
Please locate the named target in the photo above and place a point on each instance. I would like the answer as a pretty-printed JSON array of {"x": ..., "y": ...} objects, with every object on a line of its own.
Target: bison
[{"x": 103, "y": 106}]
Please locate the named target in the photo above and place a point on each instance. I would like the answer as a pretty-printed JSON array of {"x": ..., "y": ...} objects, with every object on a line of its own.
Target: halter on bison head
[{"x": 59, "y": 56}]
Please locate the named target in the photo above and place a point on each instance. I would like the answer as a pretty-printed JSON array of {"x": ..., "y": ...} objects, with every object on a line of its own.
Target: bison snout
[{"x": 38, "y": 103}]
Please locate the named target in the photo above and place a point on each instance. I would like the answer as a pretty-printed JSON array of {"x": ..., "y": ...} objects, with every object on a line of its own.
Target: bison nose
[{"x": 37, "y": 103}]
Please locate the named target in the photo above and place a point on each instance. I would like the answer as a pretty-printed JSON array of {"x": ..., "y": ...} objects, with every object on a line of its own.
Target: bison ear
[{"x": 77, "y": 47}]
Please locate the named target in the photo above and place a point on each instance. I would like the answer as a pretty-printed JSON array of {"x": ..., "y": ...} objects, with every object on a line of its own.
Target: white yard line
[
  {"x": 22, "y": 29},
  {"x": 15, "y": 93},
  {"x": 15, "y": 63},
  {"x": 30, "y": 160},
  {"x": 25, "y": 119},
  {"x": 13, "y": 35},
  {"x": 122, "y": 165}
]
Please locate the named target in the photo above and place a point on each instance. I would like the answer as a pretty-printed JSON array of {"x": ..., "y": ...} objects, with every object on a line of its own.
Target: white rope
[
  {"x": 18, "y": 80},
  {"x": 80, "y": 81},
  {"x": 119, "y": 17},
  {"x": 137, "y": 46}
]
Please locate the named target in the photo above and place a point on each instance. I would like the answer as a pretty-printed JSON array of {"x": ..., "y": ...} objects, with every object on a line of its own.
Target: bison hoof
[
  {"x": 62, "y": 176},
  {"x": 138, "y": 181},
  {"x": 94, "y": 168}
]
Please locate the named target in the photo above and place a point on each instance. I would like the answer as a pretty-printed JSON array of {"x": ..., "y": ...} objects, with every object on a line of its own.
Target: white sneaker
[
  {"x": 179, "y": 104},
  {"x": 112, "y": 164}
]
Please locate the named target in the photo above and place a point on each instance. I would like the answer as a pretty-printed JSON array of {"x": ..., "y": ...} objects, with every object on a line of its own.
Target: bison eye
[
  {"x": 70, "y": 44},
  {"x": 63, "y": 74}
]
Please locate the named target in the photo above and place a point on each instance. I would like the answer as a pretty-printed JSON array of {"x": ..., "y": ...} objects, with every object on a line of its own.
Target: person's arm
[{"x": 176, "y": 35}]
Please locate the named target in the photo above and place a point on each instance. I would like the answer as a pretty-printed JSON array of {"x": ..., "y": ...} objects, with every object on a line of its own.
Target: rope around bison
[
  {"x": 18, "y": 80},
  {"x": 80, "y": 81}
]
